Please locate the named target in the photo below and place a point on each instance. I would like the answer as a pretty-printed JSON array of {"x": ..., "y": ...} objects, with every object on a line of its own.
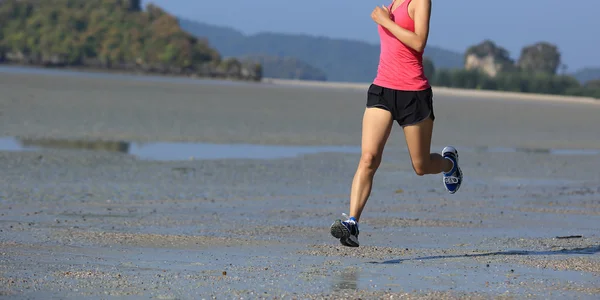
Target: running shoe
[
  {"x": 346, "y": 231},
  {"x": 452, "y": 179}
]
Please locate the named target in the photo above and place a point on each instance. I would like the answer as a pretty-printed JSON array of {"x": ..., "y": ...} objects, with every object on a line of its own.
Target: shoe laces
[{"x": 451, "y": 180}]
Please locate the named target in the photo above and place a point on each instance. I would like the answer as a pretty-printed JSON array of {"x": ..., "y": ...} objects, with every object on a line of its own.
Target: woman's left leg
[{"x": 418, "y": 140}]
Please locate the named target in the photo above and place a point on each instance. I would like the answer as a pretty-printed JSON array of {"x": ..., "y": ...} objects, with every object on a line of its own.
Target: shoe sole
[
  {"x": 339, "y": 231},
  {"x": 348, "y": 243}
]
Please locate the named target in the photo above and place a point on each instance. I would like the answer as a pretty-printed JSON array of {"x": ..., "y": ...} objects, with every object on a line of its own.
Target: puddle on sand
[{"x": 164, "y": 151}]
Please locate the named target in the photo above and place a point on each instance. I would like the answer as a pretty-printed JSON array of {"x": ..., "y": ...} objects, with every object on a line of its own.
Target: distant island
[
  {"x": 109, "y": 35},
  {"x": 537, "y": 70}
]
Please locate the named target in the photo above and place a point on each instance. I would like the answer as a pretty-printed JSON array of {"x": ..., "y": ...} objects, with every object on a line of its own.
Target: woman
[{"x": 401, "y": 93}]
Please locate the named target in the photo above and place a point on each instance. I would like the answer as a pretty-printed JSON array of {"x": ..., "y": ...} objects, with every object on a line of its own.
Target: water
[{"x": 165, "y": 151}]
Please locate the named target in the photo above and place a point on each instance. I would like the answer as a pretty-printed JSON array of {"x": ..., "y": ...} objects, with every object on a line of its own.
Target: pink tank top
[{"x": 400, "y": 67}]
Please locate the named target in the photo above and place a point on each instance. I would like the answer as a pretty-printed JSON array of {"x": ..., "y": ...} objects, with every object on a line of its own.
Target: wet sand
[{"x": 101, "y": 223}]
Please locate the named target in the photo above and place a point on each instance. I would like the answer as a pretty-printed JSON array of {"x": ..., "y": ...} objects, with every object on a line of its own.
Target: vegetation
[
  {"x": 111, "y": 34},
  {"x": 593, "y": 84},
  {"x": 535, "y": 72},
  {"x": 540, "y": 58}
]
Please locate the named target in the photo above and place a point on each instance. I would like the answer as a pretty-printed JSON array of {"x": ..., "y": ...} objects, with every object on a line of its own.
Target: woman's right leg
[{"x": 376, "y": 128}]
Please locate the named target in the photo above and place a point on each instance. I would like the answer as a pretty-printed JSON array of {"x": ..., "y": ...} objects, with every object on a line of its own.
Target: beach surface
[{"x": 169, "y": 188}]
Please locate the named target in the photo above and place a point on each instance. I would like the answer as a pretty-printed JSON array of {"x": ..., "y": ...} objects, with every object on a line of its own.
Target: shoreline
[
  {"x": 443, "y": 91},
  {"x": 116, "y": 71},
  {"x": 438, "y": 90}
]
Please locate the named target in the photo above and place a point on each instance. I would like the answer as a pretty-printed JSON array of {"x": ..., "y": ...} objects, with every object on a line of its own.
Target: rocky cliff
[{"x": 488, "y": 58}]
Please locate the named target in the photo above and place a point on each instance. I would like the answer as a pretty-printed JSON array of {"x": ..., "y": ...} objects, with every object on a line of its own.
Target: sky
[{"x": 574, "y": 26}]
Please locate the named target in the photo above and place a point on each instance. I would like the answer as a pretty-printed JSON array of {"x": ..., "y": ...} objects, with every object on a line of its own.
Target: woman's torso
[{"x": 400, "y": 67}]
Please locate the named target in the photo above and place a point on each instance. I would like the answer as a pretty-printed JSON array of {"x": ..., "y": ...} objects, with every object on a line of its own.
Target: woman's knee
[
  {"x": 421, "y": 166},
  {"x": 370, "y": 161}
]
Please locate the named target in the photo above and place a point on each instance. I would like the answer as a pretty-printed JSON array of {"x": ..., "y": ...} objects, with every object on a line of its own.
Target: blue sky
[{"x": 572, "y": 25}]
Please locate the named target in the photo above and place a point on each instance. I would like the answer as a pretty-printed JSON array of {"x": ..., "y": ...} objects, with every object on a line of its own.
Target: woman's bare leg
[
  {"x": 376, "y": 128},
  {"x": 418, "y": 140}
]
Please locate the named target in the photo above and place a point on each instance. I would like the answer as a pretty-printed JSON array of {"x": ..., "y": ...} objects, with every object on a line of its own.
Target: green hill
[
  {"x": 108, "y": 34},
  {"x": 341, "y": 59}
]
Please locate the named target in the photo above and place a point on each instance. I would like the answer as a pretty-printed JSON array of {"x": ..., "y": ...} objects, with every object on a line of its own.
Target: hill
[
  {"x": 285, "y": 67},
  {"x": 340, "y": 59},
  {"x": 108, "y": 34},
  {"x": 587, "y": 74}
]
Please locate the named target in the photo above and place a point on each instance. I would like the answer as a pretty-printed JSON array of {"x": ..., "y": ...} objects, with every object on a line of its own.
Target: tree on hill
[
  {"x": 113, "y": 34},
  {"x": 541, "y": 57}
]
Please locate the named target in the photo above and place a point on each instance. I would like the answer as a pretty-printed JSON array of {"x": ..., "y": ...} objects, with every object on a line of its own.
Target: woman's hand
[
  {"x": 381, "y": 15},
  {"x": 417, "y": 39}
]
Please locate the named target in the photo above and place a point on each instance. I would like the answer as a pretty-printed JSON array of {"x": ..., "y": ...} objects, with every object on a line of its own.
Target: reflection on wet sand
[
  {"x": 163, "y": 151},
  {"x": 346, "y": 280},
  {"x": 112, "y": 146}
]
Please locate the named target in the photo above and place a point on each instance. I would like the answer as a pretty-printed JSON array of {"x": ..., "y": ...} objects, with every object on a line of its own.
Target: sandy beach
[{"x": 116, "y": 219}]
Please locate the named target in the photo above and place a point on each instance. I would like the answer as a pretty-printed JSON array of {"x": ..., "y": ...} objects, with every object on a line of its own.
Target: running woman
[{"x": 401, "y": 93}]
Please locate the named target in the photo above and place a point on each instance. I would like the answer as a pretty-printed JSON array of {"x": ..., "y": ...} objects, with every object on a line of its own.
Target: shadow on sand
[{"x": 586, "y": 250}]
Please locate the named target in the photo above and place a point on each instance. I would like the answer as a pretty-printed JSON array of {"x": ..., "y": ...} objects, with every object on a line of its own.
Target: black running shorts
[{"x": 407, "y": 107}]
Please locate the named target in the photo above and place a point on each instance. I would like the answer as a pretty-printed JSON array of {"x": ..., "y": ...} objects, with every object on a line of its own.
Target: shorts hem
[
  {"x": 429, "y": 116},
  {"x": 380, "y": 106}
]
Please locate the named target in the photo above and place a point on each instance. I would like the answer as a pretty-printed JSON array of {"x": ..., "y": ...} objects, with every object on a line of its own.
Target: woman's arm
[{"x": 416, "y": 40}]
